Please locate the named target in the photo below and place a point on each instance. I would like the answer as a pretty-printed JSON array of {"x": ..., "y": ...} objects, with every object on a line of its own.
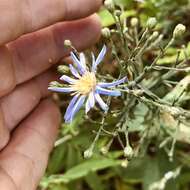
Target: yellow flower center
[{"x": 85, "y": 84}]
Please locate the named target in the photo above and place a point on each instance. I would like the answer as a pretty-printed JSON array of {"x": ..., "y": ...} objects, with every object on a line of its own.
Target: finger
[
  {"x": 7, "y": 73},
  {"x": 24, "y": 161},
  {"x": 23, "y": 16},
  {"x": 32, "y": 54},
  {"x": 36, "y": 52},
  {"x": 4, "y": 132},
  {"x": 19, "y": 103}
]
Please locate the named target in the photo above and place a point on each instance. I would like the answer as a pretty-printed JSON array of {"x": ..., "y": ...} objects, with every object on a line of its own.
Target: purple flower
[{"x": 84, "y": 87}]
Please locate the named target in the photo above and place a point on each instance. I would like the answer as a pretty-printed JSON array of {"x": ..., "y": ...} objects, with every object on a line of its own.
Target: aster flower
[{"x": 84, "y": 87}]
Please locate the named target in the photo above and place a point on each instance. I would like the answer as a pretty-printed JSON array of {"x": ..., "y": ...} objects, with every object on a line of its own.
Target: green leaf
[
  {"x": 134, "y": 171},
  {"x": 171, "y": 55},
  {"x": 83, "y": 169},
  {"x": 45, "y": 185},
  {"x": 94, "y": 181},
  {"x": 136, "y": 123},
  {"x": 147, "y": 170},
  {"x": 106, "y": 18},
  {"x": 156, "y": 167},
  {"x": 56, "y": 160},
  {"x": 151, "y": 172},
  {"x": 72, "y": 157}
]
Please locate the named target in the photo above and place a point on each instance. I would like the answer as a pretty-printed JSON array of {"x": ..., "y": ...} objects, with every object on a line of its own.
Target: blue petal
[
  {"x": 93, "y": 59},
  {"x": 74, "y": 71},
  {"x": 70, "y": 107},
  {"x": 91, "y": 99},
  {"x": 112, "y": 84},
  {"x": 68, "y": 79},
  {"x": 80, "y": 66},
  {"x": 102, "y": 104},
  {"x": 99, "y": 58},
  {"x": 61, "y": 89},
  {"x": 83, "y": 60},
  {"x": 90, "y": 102},
  {"x": 87, "y": 106},
  {"x": 76, "y": 108},
  {"x": 107, "y": 92}
]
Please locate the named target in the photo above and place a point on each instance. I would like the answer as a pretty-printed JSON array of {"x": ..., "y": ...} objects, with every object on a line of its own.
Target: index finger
[{"x": 24, "y": 16}]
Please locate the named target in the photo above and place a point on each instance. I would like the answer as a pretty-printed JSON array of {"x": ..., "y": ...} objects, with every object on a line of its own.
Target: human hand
[{"x": 31, "y": 42}]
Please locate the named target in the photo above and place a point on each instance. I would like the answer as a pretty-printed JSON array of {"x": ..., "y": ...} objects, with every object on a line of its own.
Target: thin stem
[
  {"x": 171, "y": 152},
  {"x": 120, "y": 141},
  {"x": 120, "y": 28},
  {"x": 149, "y": 68},
  {"x": 101, "y": 126},
  {"x": 187, "y": 69},
  {"x": 62, "y": 140},
  {"x": 176, "y": 112}
]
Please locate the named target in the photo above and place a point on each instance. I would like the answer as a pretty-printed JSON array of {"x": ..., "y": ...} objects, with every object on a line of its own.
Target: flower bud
[
  {"x": 106, "y": 33},
  {"x": 54, "y": 84},
  {"x": 134, "y": 22},
  {"x": 179, "y": 31},
  {"x": 67, "y": 43},
  {"x": 151, "y": 22},
  {"x": 124, "y": 163},
  {"x": 155, "y": 34},
  {"x": 88, "y": 153},
  {"x": 104, "y": 150},
  {"x": 118, "y": 13},
  {"x": 63, "y": 69},
  {"x": 128, "y": 152},
  {"x": 109, "y": 5},
  {"x": 138, "y": 92},
  {"x": 125, "y": 30}
]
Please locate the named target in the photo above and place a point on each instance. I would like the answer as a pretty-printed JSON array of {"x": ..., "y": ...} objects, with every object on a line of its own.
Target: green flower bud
[
  {"x": 109, "y": 5},
  {"x": 113, "y": 31},
  {"x": 106, "y": 33},
  {"x": 104, "y": 150},
  {"x": 67, "y": 43},
  {"x": 126, "y": 29},
  {"x": 128, "y": 152},
  {"x": 54, "y": 84},
  {"x": 63, "y": 69},
  {"x": 124, "y": 163},
  {"x": 134, "y": 22},
  {"x": 155, "y": 34},
  {"x": 179, "y": 31},
  {"x": 88, "y": 153},
  {"x": 118, "y": 13},
  {"x": 151, "y": 22}
]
